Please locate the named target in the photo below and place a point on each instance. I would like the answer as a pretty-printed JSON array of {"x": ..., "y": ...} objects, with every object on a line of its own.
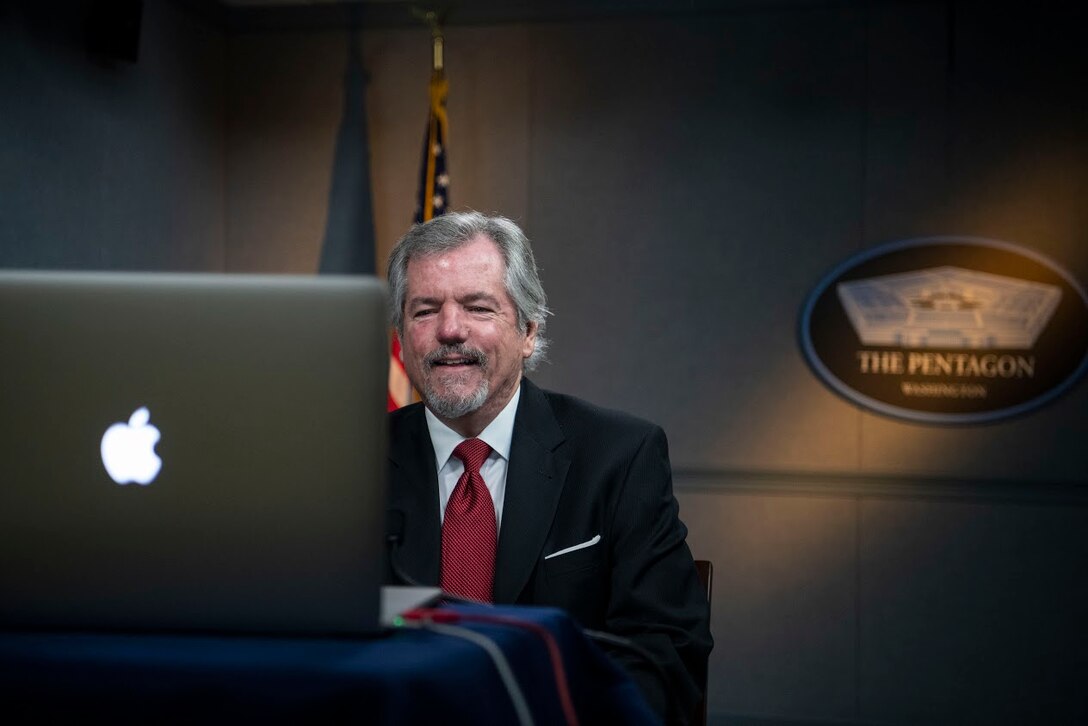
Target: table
[{"x": 405, "y": 676}]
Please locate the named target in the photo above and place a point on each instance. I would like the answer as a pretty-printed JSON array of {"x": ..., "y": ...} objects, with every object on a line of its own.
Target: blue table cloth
[{"x": 405, "y": 676}]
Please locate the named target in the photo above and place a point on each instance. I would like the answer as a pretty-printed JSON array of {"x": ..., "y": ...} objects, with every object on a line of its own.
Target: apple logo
[{"x": 128, "y": 450}]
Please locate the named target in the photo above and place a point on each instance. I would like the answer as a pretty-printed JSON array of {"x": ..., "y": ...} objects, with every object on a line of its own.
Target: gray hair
[{"x": 451, "y": 230}]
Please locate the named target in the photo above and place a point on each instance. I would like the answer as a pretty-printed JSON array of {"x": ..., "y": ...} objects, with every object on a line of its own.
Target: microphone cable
[
  {"x": 502, "y": 665},
  {"x": 393, "y": 539},
  {"x": 555, "y": 656}
]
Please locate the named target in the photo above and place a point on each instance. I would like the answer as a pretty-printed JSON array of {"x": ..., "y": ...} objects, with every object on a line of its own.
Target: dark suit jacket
[{"x": 577, "y": 471}]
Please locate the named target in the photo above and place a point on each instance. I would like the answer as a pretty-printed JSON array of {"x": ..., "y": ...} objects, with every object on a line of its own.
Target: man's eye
[
  {"x": 423, "y": 312},
  {"x": 478, "y": 309}
]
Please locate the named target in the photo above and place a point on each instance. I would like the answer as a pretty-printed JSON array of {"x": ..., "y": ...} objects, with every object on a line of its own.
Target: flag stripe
[
  {"x": 433, "y": 201},
  {"x": 400, "y": 388}
]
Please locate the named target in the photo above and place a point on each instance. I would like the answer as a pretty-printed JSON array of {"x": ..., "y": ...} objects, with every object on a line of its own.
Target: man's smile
[{"x": 458, "y": 357}]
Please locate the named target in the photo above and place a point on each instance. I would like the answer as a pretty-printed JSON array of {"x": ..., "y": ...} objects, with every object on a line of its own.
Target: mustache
[{"x": 473, "y": 356}]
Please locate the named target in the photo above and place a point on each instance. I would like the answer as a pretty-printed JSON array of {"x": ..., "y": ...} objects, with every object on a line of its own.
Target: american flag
[
  {"x": 433, "y": 200},
  {"x": 434, "y": 182}
]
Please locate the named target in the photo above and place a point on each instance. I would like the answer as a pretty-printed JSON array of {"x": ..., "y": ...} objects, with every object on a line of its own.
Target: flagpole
[
  {"x": 437, "y": 130},
  {"x": 437, "y": 44},
  {"x": 433, "y": 20}
]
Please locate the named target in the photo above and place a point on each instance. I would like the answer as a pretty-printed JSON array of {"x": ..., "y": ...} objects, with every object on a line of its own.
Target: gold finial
[
  {"x": 433, "y": 20},
  {"x": 436, "y": 53}
]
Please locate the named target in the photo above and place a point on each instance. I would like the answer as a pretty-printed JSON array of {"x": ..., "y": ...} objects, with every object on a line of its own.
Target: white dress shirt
[{"x": 497, "y": 435}]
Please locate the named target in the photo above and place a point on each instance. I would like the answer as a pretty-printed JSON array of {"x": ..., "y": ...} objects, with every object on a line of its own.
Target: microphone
[{"x": 394, "y": 536}]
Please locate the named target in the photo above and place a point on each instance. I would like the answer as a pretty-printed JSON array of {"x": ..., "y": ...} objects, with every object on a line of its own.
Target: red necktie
[{"x": 468, "y": 529}]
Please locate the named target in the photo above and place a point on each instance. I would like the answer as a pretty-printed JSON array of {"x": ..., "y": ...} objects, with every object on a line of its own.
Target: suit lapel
[
  {"x": 414, "y": 491},
  {"x": 534, "y": 481}
]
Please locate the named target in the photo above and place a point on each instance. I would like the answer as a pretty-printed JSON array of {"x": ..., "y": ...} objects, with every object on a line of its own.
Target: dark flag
[{"x": 348, "y": 247}]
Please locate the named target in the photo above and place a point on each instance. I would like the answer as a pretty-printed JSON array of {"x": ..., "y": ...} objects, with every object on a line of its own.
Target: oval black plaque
[{"x": 947, "y": 329}]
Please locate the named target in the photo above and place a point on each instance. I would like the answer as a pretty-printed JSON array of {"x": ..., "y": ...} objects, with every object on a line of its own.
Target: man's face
[{"x": 461, "y": 345}]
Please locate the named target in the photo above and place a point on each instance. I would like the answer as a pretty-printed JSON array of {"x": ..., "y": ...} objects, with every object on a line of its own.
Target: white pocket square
[{"x": 582, "y": 546}]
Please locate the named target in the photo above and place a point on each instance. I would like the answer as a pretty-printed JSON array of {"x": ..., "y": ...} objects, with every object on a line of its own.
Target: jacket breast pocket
[{"x": 585, "y": 560}]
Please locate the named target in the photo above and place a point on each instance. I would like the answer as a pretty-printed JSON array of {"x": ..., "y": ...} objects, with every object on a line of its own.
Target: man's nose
[{"x": 451, "y": 326}]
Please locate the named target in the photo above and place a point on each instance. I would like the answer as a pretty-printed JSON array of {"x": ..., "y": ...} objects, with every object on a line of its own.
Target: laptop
[{"x": 192, "y": 452}]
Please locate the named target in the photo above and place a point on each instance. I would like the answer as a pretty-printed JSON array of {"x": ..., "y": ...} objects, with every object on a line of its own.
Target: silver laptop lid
[{"x": 267, "y": 397}]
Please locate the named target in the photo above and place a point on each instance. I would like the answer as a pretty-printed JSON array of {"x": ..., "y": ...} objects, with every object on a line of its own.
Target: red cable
[{"x": 560, "y": 674}]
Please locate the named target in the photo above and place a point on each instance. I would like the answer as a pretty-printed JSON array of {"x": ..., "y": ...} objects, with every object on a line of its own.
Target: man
[{"x": 551, "y": 501}]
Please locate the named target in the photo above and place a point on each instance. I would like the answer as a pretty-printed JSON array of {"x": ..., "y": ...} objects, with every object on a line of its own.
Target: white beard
[{"x": 451, "y": 405}]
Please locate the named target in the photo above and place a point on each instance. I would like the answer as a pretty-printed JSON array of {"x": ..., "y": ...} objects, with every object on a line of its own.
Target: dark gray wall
[
  {"x": 686, "y": 180},
  {"x": 107, "y": 164},
  {"x": 691, "y": 180}
]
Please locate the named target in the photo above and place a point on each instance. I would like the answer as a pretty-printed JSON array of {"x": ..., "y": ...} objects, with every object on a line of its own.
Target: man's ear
[{"x": 529, "y": 345}]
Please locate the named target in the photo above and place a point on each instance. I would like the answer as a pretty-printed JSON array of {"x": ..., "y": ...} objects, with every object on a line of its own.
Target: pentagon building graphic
[{"x": 948, "y": 307}]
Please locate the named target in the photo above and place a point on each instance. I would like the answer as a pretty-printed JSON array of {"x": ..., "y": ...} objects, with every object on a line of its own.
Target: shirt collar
[{"x": 498, "y": 434}]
